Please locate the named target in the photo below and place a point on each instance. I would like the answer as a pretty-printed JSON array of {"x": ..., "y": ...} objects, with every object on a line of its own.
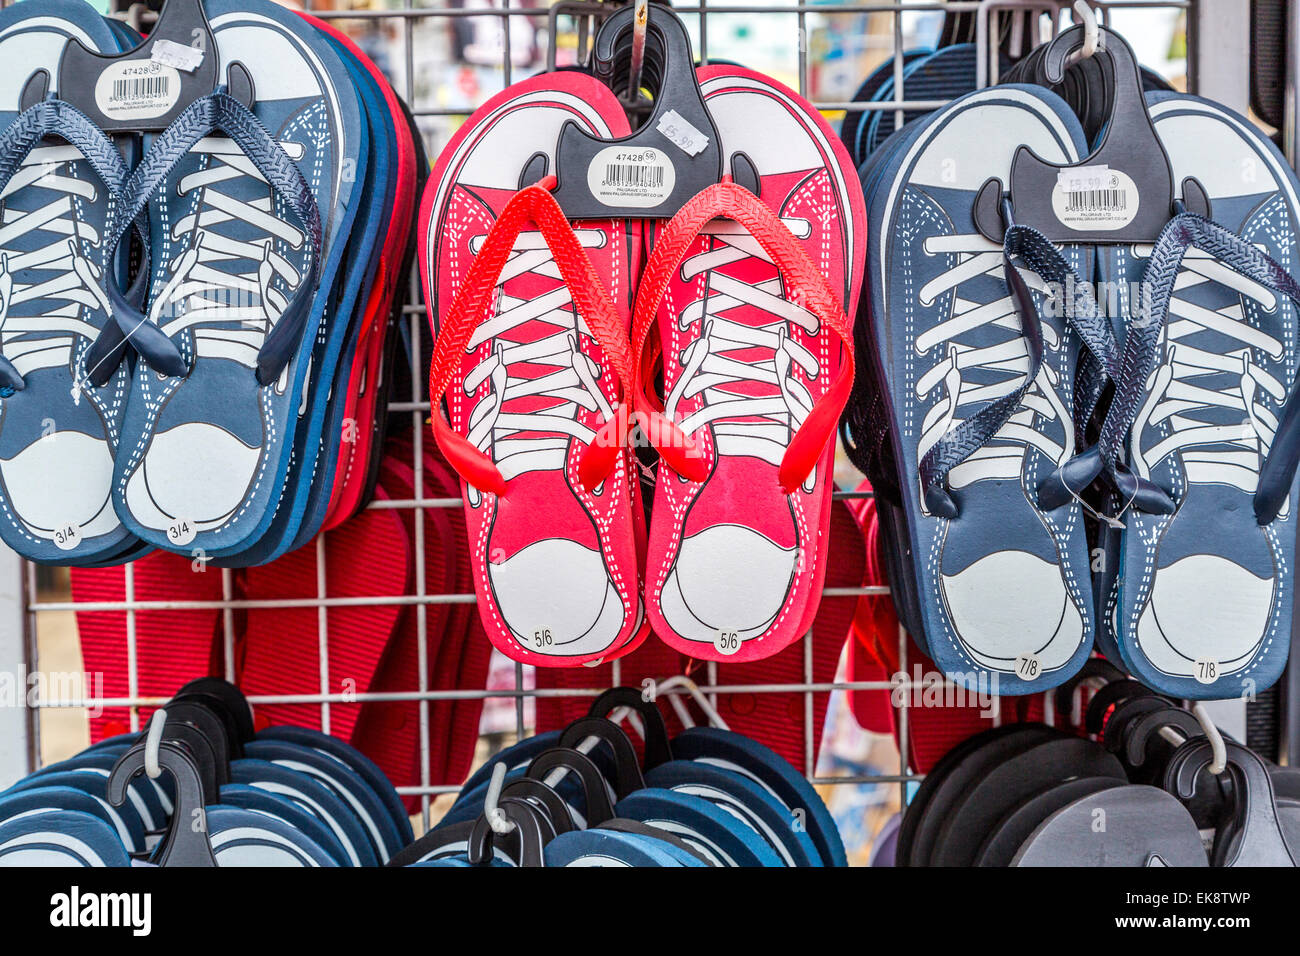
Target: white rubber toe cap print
[
  {"x": 698, "y": 601},
  {"x": 194, "y": 471},
  {"x": 64, "y": 478},
  {"x": 557, "y": 598},
  {"x": 1205, "y": 608},
  {"x": 1012, "y": 603}
]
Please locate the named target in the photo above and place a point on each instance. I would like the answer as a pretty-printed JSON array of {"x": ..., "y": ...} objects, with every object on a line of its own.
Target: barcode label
[
  {"x": 141, "y": 88},
  {"x": 1095, "y": 198},
  {"x": 1107, "y": 200},
  {"x": 625, "y": 174},
  {"x": 619, "y": 177},
  {"x": 132, "y": 90}
]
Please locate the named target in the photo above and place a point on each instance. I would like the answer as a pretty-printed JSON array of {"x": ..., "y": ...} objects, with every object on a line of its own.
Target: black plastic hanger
[
  {"x": 184, "y": 843},
  {"x": 1107, "y": 697},
  {"x": 1250, "y": 834},
  {"x": 658, "y": 748},
  {"x": 531, "y": 830},
  {"x": 582, "y": 161},
  {"x": 1129, "y": 148},
  {"x": 229, "y": 701},
  {"x": 627, "y": 772},
  {"x": 597, "y": 808},
  {"x": 88, "y": 80}
]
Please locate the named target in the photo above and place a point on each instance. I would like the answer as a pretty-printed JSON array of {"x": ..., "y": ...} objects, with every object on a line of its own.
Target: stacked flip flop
[
  {"x": 1083, "y": 441},
  {"x": 1169, "y": 795},
  {"x": 712, "y": 333},
  {"x": 284, "y": 796},
  {"x": 221, "y": 392},
  {"x": 581, "y": 797}
]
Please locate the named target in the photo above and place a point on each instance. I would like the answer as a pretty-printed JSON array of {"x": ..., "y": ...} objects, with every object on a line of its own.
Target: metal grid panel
[{"x": 572, "y": 19}]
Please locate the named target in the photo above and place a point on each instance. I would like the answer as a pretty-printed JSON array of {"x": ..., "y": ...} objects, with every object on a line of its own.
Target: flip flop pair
[
  {"x": 541, "y": 362},
  {"x": 217, "y": 367},
  {"x": 986, "y": 395}
]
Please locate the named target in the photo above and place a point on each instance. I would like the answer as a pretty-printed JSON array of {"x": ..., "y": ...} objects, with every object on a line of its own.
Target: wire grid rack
[{"x": 566, "y": 22}]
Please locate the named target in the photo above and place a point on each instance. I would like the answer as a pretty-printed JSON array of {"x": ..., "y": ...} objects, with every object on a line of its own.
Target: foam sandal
[
  {"x": 978, "y": 385},
  {"x": 1203, "y": 599},
  {"x": 220, "y": 388},
  {"x": 63, "y": 384},
  {"x": 758, "y": 362},
  {"x": 532, "y": 363}
]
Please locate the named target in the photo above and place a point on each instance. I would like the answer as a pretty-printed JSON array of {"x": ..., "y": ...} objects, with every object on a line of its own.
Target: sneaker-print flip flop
[
  {"x": 367, "y": 346},
  {"x": 745, "y": 292},
  {"x": 248, "y": 233},
  {"x": 320, "y": 428},
  {"x": 59, "y": 431},
  {"x": 531, "y": 365},
  {"x": 1204, "y": 596},
  {"x": 978, "y": 379}
]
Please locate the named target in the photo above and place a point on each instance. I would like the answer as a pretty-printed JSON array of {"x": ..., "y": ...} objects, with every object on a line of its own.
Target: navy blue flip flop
[
  {"x": 59, "y": 431},
  {"x": 984, "y": 436},
  {"x": 241, "y": 276},
  {"x": 61, "y": 838},
  {"x": 748, "y": 801}
]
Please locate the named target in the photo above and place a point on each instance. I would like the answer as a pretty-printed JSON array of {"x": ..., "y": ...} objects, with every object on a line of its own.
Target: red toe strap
[
  {"x": 805, "y": 286},
  {"x": 533, "y": 204}
]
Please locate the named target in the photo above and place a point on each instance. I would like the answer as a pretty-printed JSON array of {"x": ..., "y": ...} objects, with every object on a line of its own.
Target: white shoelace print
[
  {"x": 1211, "y": 453},
  {"x": 756, "y": 426},
  {"x": 537, "y": 440},
  {"x": 1002, "y": 457},
  {"x": 70, "y": 281},
  {"x": 207, "y": 300}
]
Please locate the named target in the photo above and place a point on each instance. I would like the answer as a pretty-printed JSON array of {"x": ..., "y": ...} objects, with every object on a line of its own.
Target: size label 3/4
[
  {"x": 67, "y": 536},
  {"x": 635, "y": 178},
  {"x": 678, "y": 130},
  {"x": 1095, "y": 198},
  {"x": 181, "y": 532},
  {"x": 137, "y": 90}
]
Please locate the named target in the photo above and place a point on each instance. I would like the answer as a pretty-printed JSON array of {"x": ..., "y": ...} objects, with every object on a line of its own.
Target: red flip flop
[
  {"x": 171, "y": 647},
  {"x": 368, "y": 556},
  {"x": 748, "y": 294},
  {"x": 532, "y": 362}
]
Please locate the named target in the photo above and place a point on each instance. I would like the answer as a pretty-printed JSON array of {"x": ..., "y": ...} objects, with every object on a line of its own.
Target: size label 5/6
[{"x": 726, "y": 642}]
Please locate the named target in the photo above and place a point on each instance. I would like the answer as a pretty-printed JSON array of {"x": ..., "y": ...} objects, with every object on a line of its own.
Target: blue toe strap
[
  {"x": 1044, "y": 259},
  {"x": 55, "y": 117},
  {"x": 222, "y": 112},
  {"x": 1142, "y": 346}
]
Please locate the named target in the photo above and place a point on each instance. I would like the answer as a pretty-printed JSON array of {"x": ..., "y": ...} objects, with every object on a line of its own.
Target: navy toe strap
[{"x": 222, "y": 112}]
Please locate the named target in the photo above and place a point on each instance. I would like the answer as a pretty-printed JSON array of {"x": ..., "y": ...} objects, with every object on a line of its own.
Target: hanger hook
[
  {"x": 1091, "y": 32},
  {"x": 496, "y": 817},
  {"x": 640, "y": 20},
  {"x": 692, "y": 688},
  {"x": 152, "y": 742},
  {"x": 1220, "y": 760}
]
